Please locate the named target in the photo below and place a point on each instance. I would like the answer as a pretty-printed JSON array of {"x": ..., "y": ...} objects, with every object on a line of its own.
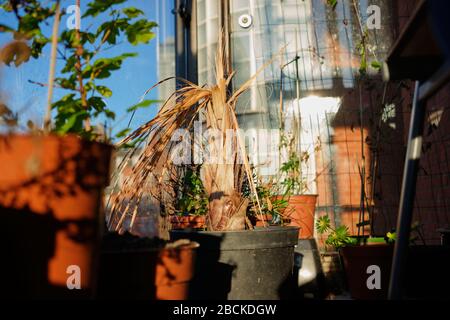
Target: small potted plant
[
  {"x": 192, "y": 204},
  {"x": 297, "y": 206},
  {"x": 272, "y": 206},
  {"x": 359, "y": 255}
]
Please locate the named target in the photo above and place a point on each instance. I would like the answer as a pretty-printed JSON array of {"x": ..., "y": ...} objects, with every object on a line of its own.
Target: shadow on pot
[
  {"x": 243, "y": 264},
  {"x": 50, "y": 205},
  {"x": 29, "y": 243},
  {"x": 133, "y": 267},
  {"x": 212, "y": 278}
]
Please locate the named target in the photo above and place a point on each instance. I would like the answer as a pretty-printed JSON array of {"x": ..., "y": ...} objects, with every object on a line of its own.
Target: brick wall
[
  {"x": 340, "y": 160},
  {"x": 432, "y": 204},
  {"x": 384, "y": 146}
]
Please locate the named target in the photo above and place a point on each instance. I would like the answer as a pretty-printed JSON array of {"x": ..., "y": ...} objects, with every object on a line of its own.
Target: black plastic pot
[{"x": 250, "y": 264}]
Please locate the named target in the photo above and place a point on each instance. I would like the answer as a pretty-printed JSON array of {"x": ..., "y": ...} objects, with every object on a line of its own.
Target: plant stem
[
  {"x": 363, "y": 164},
  {"x": 79, "y": 54},
  {"x": 51, "y": 76}
]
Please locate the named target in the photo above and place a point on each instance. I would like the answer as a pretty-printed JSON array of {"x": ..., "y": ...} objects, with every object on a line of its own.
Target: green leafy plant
[
  {"x": 194, "y": 200},
  {"x": 391, "y": 237},
  {"x": 337, "y": 237},
  {"x": 291, "y": 180},
  {"x": 415, "y": 235},
  {"x": 274, "y": 206},
  {"x": 340, "y": 237},
  {"x": 271, "y": 203},
  {"x": 362, "y": 45},
  {"x": 85, "y": 68}
]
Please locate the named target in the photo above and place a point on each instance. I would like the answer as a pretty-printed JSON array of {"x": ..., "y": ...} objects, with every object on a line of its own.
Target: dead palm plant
[{"x": 222, "y": 178}]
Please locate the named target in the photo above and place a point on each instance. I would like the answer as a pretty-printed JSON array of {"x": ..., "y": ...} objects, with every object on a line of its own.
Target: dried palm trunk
[
  {"x": 222, "y": 178},
  {"x": 226, "y": 205},
  {"x": 219, "y": 176}
]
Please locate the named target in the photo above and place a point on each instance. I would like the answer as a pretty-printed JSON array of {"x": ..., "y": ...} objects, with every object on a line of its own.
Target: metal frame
[
  {"x": 186, "y": 39},
  {"x": 423, "y": 90},
  {"x": 428, "y": 29}
]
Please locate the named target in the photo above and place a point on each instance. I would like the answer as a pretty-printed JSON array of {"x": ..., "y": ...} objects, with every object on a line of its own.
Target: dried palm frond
[{"x": 222, "y": 178}]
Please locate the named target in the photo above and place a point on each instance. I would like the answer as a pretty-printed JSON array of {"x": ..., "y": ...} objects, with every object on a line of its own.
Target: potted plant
[
  {"x": 297, "y": 206},
  {"x": 52, "y": 180},
  {"x": 192, "y": 205},
  {"x": 272, "y": 206},
  {"x": 359, "y": 255},
  {"x": 363, "y": 257},
  {"x": 229, "y": 248}
]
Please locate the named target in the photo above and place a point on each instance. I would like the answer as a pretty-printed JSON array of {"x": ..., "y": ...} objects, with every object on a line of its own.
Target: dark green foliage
[
  {"x": 194, "y": 200},
  {"x": 271, "y": 203},
  {"x": 337, "y": 237},
  {"x": 142, "y": 104}
]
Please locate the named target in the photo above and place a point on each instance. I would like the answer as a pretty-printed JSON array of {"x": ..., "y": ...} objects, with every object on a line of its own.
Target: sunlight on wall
[{"x": 313, "y": 111}]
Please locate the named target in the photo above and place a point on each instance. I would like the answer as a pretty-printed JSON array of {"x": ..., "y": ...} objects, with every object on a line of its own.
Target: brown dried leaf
[
  {"x": 17, "y": 52},
  {"x": 4, "y": 110}
]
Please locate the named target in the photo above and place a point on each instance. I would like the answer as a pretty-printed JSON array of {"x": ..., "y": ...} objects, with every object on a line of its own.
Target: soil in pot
[
  {"x": 357, "y": 260},
  {"x": 50, "y": 197},
  {"x": 142, "y": 268},
  {"x": 249, "y": 264}
]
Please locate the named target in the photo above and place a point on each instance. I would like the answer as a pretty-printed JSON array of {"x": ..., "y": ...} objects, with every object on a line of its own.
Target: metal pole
[
  {"x": 192, "y": 74},
  {"x": 186, "y": 40},
  {"x": 180, "y": 49},
  {"x": 224, "y": 23},
  {"x": 407, "y": 195}
]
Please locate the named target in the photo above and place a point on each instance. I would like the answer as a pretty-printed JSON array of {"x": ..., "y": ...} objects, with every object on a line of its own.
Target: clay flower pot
[
  {"x": 357, "y": 259},
  {"x": 300, "y": 212},
  {"x": 50, "y": 198},
  {"x": 174, "y": 271}
]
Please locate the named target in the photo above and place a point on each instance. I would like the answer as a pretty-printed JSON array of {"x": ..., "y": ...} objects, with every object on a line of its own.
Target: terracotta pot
[
  {"x": 356, "y": 261},
  {"x": 300, "y": 212},
  {"x": 151, "y": 274},
  {"x": 190, "y": 221},
  {"x": 50, "y": 198}
]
